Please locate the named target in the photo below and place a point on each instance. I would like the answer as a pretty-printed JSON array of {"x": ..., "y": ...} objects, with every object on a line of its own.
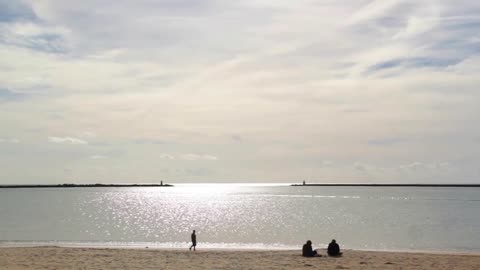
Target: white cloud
[
  {"x": 166, "y": 156},
  {"x": 9, "y": 140},
  {"x": 414, "y": 166},
  {"x": 431, "y": 166},
  {"x": 209, "y": 157},
  {"x": 67, "y": 140},
  {"x": 373, "y": 10},
  {"x": 198, "y": 157}
]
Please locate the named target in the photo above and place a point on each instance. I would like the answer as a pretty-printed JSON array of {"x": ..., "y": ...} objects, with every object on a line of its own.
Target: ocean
[{"x": 244, "y": 216}]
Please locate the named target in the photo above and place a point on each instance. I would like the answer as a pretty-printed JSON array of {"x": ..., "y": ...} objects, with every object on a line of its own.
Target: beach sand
[{"x": 122, "y": 258}]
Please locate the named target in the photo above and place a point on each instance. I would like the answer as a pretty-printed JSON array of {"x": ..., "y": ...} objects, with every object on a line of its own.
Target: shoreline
[
  {"x": 54, "y": 257},
  {"x": 150, "y": 246}
]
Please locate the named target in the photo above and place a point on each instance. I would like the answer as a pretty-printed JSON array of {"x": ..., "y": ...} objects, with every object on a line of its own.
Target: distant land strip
[
  {"x": 85, "y": 185},
  {"x": 385, "y": 185}
]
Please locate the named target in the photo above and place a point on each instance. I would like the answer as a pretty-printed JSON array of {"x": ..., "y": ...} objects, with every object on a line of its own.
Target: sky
[{"x": 334, "y": 91}]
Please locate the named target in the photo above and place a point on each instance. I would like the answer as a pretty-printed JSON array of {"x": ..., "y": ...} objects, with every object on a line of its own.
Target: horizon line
[{"x": 73, "y": 185}]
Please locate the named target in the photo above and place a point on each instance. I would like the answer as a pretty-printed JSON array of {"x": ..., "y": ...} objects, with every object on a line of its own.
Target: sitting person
[
  {"x": 308, "y": 251},
  {"x": 334, "y": 249}
]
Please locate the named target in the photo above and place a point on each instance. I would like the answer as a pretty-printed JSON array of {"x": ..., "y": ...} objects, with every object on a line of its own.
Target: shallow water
[{"x": 242, "y": 216}]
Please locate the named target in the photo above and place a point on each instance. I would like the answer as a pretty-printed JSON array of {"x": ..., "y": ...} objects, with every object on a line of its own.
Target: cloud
[
  {"x": 413, "y": 63},
  {"x": 15, "y": 10},
  {"x": 198, "y": 157},
  {"x": 414, "y": 166},
  {"x": 272, "y": 87},
  {"x": 9, "y": 140},
  {"x": 166, "y": 156},
  {"x": 66, "y": 140},
  {"x": 373, "y": 10},
  {"x": 149, "y": 141},
  {"x": 7, "y": 95},
  {"x": 34, "y": 36},
  {"x": 431, "y": 166}
]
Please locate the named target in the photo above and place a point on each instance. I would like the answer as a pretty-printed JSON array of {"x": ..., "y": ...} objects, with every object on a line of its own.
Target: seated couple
[{"x": 333, "y": 249}]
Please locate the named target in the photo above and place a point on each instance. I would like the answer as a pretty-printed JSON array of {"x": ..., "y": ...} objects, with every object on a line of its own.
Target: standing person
[
  {"x": 194, "y": 241},
  {"x": 307, "y": 250},
  {"x": 334, "y": 249}
]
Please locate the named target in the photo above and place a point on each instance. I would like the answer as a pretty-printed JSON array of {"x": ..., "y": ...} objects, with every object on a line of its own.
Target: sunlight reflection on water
[{"x": 229, "y": 215}]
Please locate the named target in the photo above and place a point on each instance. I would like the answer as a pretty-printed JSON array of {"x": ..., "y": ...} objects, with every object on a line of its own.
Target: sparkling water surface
[{"x": 245, "y": 216}]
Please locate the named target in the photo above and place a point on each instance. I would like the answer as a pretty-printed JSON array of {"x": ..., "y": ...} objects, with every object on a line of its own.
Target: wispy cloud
[
  {"x": 33, "y": 36},
  {"x": 7, "y": 95},
  {"x": 167, "y": 156},
  {"x": 269, "y": 89},
  {"x": 66, "y": 140},
  {"x": 15, "y": 10},
  {"x": 198, "y": 157},
  {"x": 149, "y": 141},
  {"x": 9, "y": 140}
]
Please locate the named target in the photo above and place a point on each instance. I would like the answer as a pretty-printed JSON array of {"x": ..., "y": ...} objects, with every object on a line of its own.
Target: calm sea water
[{"x": 240, "y": 216}]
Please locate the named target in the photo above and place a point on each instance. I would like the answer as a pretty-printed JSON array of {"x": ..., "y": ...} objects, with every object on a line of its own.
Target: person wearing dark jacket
[
  {"x": 194, "y": 241},
  {"x": 334, "y": 249},
  {"x": 308, "y": 251}
]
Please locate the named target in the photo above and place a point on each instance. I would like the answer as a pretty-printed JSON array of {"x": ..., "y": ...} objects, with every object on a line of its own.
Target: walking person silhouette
[{"x": 194, "y": 241}]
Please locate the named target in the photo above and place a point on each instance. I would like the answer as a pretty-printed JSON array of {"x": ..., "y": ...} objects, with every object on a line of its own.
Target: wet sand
[{"x": 19, "y": 258}]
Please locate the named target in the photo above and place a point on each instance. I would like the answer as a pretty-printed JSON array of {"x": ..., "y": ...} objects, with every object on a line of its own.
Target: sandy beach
[{"x": 19, "y": 258}]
